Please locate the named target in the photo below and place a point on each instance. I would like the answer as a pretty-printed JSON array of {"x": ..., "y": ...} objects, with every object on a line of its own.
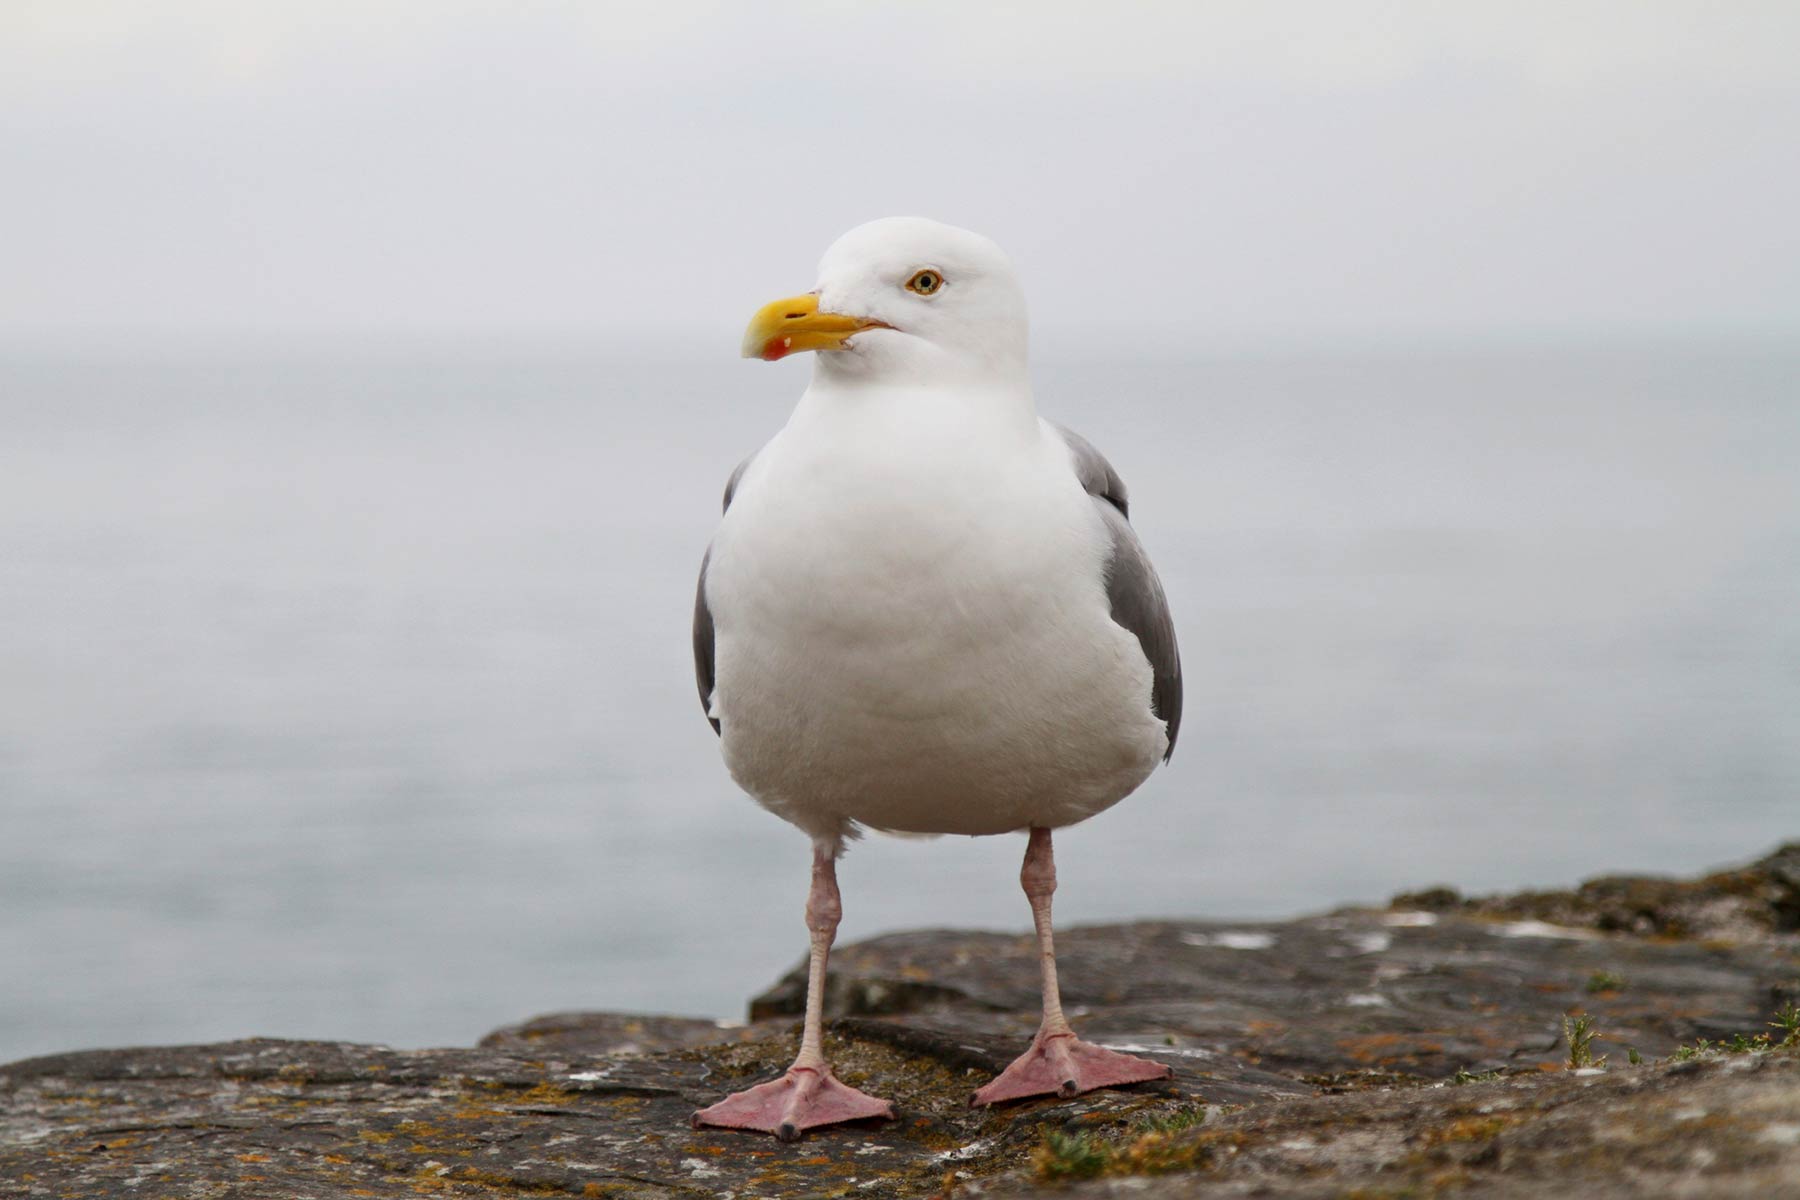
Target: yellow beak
[{"x": 790, "y": 326}]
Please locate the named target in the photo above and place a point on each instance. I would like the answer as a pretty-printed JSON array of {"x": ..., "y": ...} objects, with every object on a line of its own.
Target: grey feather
[
  {"x": 731, "y": 485},
  {"x": 1096, "y": 474},
  {"x": 705, "y": 673},
  {"x": 1132, "y": 588}
]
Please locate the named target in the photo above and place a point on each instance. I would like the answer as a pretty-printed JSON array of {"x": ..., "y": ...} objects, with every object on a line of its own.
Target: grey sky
[{"x": 1208, "y": 171}]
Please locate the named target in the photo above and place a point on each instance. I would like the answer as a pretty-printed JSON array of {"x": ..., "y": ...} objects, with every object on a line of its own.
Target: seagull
[{"x": 925, "y": 612}]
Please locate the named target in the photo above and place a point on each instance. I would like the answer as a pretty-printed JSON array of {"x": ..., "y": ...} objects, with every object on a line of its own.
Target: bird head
[{"x": 903, "y": 300}]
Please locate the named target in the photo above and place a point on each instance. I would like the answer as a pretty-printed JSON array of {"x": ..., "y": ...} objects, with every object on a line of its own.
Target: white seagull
[{"x": 925, "y": 612}]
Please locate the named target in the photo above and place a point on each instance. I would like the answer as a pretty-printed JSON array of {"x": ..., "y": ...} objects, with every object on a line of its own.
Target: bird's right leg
[
  {"x": 808, "y": 1095},
  {"x": 1058, "y": 1062}
]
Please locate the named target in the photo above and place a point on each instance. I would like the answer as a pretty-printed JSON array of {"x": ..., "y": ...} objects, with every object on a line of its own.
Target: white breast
[{"x": 912, "y": 631}]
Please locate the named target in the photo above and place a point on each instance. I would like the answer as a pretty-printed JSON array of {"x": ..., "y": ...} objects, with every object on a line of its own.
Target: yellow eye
[{"x": 925, "y": 282}]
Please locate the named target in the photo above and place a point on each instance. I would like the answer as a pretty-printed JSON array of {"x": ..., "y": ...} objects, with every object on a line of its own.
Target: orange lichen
[
  {"x": 1468, "y": 1129},
  {"x": 1387, "y": 1047}
]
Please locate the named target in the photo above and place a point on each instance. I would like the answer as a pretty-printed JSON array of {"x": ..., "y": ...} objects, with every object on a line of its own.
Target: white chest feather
[{"x": 912, "y": 629}]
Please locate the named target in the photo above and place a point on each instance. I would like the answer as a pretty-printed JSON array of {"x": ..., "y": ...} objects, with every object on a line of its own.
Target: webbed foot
[
  {"x": 1064, "y": 1065},
  {"x": 804, "y": 1098}
]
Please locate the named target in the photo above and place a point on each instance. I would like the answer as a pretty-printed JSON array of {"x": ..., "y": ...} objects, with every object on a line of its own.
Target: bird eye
[{"x": 925, "y": 282}]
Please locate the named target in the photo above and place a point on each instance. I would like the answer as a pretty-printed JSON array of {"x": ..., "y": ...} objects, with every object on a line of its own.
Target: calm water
[{"x": 354, "y": 699}]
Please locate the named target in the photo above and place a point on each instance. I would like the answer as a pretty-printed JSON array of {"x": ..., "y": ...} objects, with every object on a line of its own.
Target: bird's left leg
[
  {"x": 809, "y": 1094},
  {"x": 1058, "y": 1061}
]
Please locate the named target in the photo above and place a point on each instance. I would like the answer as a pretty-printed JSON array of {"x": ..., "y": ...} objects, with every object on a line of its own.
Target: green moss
[
  {"x": 1152, "y": 1144},
  {"x": 1071, "y": 1156},
  {"x": 1741, "y": 1043},
  {"x": 1606, "y": 981},
  {"x": 1171, "y": 1122}
]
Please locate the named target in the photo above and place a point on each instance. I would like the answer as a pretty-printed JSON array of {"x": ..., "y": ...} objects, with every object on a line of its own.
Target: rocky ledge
[{"x": 1420, "y": 1050}]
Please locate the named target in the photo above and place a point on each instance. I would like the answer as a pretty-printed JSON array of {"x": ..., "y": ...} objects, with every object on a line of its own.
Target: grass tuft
[
  {"x": 1787, "y": 1020},
  {"x": 1581, "y": 1033},
  {"x": 1701, "y": 1046}
]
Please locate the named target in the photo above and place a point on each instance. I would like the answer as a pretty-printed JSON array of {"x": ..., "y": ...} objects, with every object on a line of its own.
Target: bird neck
[{"x": 988, "y": 407}]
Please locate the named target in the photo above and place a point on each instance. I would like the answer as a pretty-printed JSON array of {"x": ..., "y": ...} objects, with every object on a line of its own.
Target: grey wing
[
  {"x": 704, "y": 671},
  {"x": 1136, "y": 594}
]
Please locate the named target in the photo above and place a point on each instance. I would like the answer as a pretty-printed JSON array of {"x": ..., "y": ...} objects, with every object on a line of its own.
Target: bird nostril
[{"x": 794, "y": 316}]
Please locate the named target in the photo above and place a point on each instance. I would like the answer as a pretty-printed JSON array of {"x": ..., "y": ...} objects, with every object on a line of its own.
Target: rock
[
  {"x": 1742, "y": 904},
  {"x": 1398, "y": 991},
  {"x": 1704, "y": 1129},
  {"x": 311, "y": 1120},
  {"x": 592, "y": 1033},
  {"x": 1312, "y": 1057}
]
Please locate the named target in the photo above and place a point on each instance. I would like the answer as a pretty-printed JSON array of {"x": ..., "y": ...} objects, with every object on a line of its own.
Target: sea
[{"x": 346, "y": 692}]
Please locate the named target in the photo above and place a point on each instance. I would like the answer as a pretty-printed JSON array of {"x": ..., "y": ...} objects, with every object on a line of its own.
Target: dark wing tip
[{"x": 704, "y": 668}]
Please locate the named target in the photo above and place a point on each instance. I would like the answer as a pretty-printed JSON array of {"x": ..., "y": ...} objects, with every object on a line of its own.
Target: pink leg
[
  {"x": 1058, "y": 1061},
  {"x": 808, "y": 1095}
]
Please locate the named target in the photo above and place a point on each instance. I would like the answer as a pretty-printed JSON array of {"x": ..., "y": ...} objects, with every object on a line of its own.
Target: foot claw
[
  {"x": 805, "y": 1098},
  {"x": 1061, "y": 1064}
]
